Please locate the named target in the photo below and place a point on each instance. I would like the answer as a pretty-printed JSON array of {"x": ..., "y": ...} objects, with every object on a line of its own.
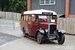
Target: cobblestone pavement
[
  {"x": 5, "y": 38},
  {"x": 9, "y": 24}
]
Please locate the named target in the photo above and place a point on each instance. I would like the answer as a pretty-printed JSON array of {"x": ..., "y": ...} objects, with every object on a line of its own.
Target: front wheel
[
  {"x": 40, "y": 38},
  {"x": 61, "y": 39}
]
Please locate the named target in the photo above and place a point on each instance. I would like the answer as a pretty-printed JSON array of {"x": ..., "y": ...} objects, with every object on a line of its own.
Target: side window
[
  {"x": 26, "y": 17},
  {"x": 22, "y": 17},
  {"x": 33, "y": 18},
  {"x": 29, "y": 17},
  {"x": 53, "y": 17}
]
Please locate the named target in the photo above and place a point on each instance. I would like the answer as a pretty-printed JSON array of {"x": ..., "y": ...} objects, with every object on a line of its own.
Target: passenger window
[
  {"x": 26, "y": 17},
  {"x": 33, "y": 18},
  {"x": 22, "y": 17},
  {"x": 29, "y": 17}
]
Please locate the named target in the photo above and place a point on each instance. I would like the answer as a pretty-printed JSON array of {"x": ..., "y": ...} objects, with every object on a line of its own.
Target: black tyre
[
  {"x": 40, "y": 38},
  {"x": 61, "y": 39},
  {"x": 24, "y": 33}
]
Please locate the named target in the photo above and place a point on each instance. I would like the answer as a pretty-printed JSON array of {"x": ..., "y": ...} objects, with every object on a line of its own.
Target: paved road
[
  {"x": 28, "y": 44},
  {"x": 6, "y": 38},
  {"x": 8, "y": 24}
]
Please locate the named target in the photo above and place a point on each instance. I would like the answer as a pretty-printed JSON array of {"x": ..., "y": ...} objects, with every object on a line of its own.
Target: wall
[
  {"x": 59, "y": 7},
  {"x": 72, "y": 6}
]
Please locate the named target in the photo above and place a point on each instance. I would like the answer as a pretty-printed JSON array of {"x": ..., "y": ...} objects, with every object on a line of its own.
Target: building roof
[{"x": 39, "y": 12}]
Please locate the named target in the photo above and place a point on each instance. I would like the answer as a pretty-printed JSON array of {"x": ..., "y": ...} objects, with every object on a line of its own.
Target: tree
[{"x": 13, "y": 5}]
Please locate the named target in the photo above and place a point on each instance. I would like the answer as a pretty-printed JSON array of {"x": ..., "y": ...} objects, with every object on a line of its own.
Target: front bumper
[{"x": 53, "y": 36}]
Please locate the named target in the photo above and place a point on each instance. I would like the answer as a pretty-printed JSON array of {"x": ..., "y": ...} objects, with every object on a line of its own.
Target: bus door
[{"x": 34, "y": 25}]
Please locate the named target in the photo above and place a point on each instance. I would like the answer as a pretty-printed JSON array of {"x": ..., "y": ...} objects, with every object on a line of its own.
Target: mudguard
[
  {"x": 62, "y": 31},
  {"x": 41, "y": 31}
]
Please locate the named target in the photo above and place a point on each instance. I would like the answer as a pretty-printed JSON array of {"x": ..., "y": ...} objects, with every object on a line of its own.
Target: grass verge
[{"x": 10, "y": 19}]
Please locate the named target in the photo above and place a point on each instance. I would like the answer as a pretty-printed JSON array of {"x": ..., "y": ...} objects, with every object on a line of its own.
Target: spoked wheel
[
  {"x": 24, "y": 33},
  {"x": 40, "y": 38},
  {"x": 61, "y": 39}
]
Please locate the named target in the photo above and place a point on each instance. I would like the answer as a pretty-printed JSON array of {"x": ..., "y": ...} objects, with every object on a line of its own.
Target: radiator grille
[{"x": 52, "y": 29}]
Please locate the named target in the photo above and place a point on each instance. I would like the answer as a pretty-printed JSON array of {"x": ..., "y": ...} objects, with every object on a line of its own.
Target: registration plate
[{"x": 52, "y": 37}]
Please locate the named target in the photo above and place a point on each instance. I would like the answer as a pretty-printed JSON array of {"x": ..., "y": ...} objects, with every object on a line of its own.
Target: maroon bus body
[
  {"x": 40, "y": 30},
  {"x": 32, "y": 27}
]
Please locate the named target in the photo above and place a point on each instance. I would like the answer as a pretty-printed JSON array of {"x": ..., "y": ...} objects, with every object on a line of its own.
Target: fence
[
  {"x": 67, "y": 24},
  {"x": 9, "y": 24},
  {"x": 10, "y": 15}
]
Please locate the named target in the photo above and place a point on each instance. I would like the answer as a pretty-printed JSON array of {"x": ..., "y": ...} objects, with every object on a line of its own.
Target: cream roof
[{"x": 39, "y": 11}]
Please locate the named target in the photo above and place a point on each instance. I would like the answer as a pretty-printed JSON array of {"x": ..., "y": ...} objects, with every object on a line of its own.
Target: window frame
[{"x": 45, "y": 2}]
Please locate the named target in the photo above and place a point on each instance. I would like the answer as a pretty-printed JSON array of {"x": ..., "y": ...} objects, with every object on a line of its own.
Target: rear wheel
[
  {"x": 40, "y": 38},
  {"x": 24, "y": 33},
  {"x": 61, "y": 39}
]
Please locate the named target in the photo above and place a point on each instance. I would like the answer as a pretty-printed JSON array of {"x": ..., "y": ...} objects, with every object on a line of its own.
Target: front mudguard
[
  {"x": 41, "y": 31},
  {"x": 61, "y": 31}
]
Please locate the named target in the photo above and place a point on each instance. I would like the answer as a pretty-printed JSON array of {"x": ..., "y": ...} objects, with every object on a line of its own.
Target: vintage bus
[{"x": 41, "y": 25}]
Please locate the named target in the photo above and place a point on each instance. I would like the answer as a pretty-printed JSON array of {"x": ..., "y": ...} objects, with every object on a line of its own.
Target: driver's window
[{"x": 51, "y": 18}]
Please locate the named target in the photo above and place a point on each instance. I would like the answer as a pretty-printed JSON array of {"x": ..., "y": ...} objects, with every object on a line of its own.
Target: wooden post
[{"x": 28, "y": 5}]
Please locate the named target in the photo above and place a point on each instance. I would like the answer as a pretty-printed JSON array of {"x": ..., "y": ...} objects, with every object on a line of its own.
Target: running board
[{"x": 30, "y": 37}]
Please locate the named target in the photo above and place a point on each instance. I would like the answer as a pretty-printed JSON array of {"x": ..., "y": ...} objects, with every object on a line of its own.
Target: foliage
[{"x": 13, "y": 5}]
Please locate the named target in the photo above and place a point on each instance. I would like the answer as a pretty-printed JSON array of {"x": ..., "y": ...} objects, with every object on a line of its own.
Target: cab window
[
  {"x": 51, "y": 19},
  {"x": 29, "y": 17},
  {"x": 33, "y": 18}
]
